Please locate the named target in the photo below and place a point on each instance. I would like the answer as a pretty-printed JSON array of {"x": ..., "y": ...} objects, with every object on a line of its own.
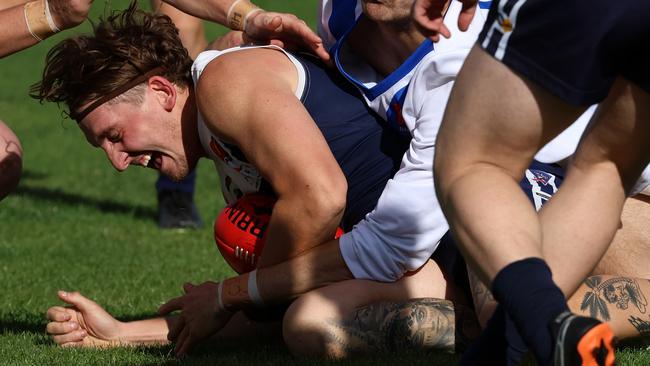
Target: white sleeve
[
  {"x": 404, "y": 229},
  {"x": 642, "y": 183}
]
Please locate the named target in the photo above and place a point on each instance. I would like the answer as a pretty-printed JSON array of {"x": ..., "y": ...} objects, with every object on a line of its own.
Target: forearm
[
  {"x": 285, "y": 281},
  {"x": 28, "y": 24},
  {"x": 290, "y": 234},
  {"x": 145, "y": 332},
  {"x": 6, "y": 4},
  {"x": 213, "y": 10},
  {"x": 14, "y": 35}
]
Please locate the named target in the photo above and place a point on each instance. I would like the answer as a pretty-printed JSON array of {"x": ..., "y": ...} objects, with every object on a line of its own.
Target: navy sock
[
  {"x": 490, "y": 346},
  {"x": 516, "y": 345},
  {"x": 529, "y": 296}
]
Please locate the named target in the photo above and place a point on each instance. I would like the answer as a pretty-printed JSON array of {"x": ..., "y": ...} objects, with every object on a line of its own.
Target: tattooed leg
[
  {"x": 484, "y": 302},
  {"x": 417, "y": 324},
  {"x": 621, "y": 301},
  {"x": 360, "y": 316}
]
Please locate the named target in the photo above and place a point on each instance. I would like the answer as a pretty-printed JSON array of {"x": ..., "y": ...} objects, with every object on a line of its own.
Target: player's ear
[{"x": 164, "y": 90}]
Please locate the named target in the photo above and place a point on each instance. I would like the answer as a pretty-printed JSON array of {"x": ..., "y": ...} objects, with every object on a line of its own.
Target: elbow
[{"x": 331, "y": 200}]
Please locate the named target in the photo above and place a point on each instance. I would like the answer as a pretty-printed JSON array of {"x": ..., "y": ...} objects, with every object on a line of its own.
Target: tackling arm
[{"x": 258, "y": 111}]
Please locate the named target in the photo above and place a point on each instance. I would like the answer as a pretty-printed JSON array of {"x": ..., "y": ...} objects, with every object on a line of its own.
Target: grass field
[{"x": 75, "y": 223}]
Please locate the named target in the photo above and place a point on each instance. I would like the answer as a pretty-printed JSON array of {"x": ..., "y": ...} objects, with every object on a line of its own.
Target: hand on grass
[
  {"x": 285, "y": 30},
  {"x": 200, "y": 316},
  {"x": 83, "y": 324},
  {"x": 429, "y": 17}
]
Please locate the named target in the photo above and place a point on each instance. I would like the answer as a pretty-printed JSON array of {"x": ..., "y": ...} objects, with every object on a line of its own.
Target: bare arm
[
  {"x": 84, "y": 323},
  {"x": 16, "y": 36},
  {"x": 259, "y": 112},
  {"x": 282, "y": 29}
]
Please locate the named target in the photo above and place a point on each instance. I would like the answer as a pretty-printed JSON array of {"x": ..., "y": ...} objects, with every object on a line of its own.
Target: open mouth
[{"x": 151, "y": 160}]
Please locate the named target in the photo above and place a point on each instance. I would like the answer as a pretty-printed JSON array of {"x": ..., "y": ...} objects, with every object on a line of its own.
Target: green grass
[{"x": 76, "y": 224}]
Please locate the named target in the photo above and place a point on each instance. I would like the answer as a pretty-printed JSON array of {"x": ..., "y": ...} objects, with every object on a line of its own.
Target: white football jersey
[{"x": 402, "y": 232}]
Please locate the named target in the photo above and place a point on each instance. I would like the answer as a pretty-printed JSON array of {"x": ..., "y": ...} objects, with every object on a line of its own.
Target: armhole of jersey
[
  {"x": 301, "y": 87},
  {"x": 206, "y": 57}
]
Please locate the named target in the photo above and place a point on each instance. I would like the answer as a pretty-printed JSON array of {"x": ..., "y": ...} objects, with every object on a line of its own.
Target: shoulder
[
  {"x": 232, "y": 84},
  {"x": 245, "y": 67}
]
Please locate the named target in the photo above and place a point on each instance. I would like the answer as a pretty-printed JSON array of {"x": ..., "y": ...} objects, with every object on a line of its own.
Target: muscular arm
[
  {"x": 14, "y": 34},
  {"x": 247, "y": 98}
]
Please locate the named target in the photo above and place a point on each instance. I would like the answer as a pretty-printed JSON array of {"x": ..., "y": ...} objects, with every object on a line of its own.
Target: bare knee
[{"x": 306, "y": 329}]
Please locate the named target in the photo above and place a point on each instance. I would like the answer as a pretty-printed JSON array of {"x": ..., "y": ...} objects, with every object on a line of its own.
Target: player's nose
[{"x": 119, "y": 159}]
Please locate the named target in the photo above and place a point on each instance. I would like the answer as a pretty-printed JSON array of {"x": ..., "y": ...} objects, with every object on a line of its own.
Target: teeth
[{"x": 145, "y": 160}]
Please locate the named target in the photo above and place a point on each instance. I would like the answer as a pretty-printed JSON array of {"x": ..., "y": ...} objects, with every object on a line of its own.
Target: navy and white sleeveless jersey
[
  {"x": 368, "y": 153},
  {"x": 574, "y": 49}
]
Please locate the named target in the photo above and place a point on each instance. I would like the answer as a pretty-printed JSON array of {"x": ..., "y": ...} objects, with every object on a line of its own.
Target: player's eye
[{"x": 113, "y": 136}]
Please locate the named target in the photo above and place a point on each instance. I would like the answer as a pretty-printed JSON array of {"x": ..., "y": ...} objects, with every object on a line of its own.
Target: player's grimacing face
[{"x": 137, "y": 134}]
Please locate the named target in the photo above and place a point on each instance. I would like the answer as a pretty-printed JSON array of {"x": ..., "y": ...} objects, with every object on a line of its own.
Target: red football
[{"x": 240, "y": 230}]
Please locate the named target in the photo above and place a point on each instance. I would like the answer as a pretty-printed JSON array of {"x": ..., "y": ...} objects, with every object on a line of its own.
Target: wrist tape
[
  {"x": 38, "y": 17},
  {"x": 239, "y": 12}
]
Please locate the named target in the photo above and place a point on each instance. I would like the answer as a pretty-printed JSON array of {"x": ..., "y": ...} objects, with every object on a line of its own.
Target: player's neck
[
  {"x": 188, "y": 117},
  {"x": 384, "y": 46}
]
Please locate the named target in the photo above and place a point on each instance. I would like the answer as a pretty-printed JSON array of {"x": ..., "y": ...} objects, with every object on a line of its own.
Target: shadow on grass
[
  {"x": 21, "y": 326},
  {"x": 243, "y": 352},
  {"x": 75, "y": 200}
]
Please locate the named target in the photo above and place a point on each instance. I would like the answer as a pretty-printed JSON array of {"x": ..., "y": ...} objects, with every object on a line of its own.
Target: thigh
[
  {"x": 629, "y": 253},
  {"x": 583, "y": 218},
  {"x": 359, "y": 316},
  {"x": 497, "y": 116}
]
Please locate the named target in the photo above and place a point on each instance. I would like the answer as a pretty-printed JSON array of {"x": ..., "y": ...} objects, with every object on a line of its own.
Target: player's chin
[{"x": 176, "y": 172}]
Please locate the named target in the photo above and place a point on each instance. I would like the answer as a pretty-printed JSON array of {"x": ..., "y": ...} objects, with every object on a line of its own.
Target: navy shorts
[
  {"x": 574, "y": 49},
  {"x": 540, "y": 182}
]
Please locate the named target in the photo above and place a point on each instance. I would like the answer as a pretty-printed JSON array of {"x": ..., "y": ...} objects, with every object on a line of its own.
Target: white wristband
[
  {"x": 50, "y": 20},
  {"x": 253, "y": 292}
]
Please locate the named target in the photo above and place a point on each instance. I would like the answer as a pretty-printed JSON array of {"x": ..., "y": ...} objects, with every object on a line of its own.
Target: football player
[
  {"x": 310, "y": 270},
  {"x": 258, "y": 113},
  {"x": 521, "y": 86}
]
